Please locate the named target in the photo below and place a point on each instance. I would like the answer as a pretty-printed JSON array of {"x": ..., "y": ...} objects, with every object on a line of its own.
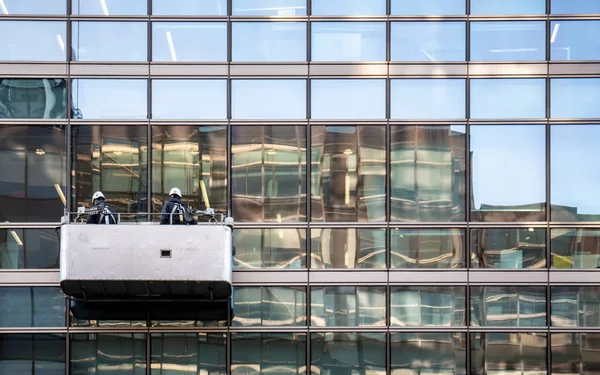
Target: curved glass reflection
[
  {"x": 427, "y": 248},
  {"x": 281, "y": 248},
  {"x": 508, "y": 248},
  {"x": 575, "y": 306},
  {"x": 577, "y": 248},
  {"x": 187, "y": 353},
  {"x": 508, "y": 353},
  {"x": 508, "y": 306},
  {"x": 29, "y": 248},
  {"x": 575, "y": 353},
  {"x": 428, "y": 353},
  {"x": 268, "y": 353},
  {"x": 335, "y": 353},
  {"x": 114, "y": 352},
  {"x": 269, "y": 306},
  {"x": 423, "y": 306},
  {"x": 33, "y": 353},
  {"x": 33, "y": 98},
  {"x": 348, "y": 306},
  {"x": 348, "y": 248}
]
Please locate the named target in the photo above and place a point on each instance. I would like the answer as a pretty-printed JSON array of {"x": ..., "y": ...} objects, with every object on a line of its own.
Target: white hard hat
[
  {"x": 175, "y": 191},
  {"x": 97, "y": 195}
]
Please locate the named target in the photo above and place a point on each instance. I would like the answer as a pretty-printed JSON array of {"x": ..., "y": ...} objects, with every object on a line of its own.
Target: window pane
[
  {"x": 429, "y": 353},
  {"x": 508, "y": 306},
  {"x": 509, "y": 172},
  {"x": 197, "y": 353},
  {"x": 32, "y": 307},
  {"x": 189, "y": 41},
  {"x": 427, "y": 248},
  {"x": 33, "y": 98},
  {"x": 281, "y": 99},
  {"x": 281, "y": 248},
  {"x": 428, "y": 173},
  {"x": 428, "y": 98},
  {"x": 572, "y": 351},
  {"x": 95, "y": 41},
  {"x": 574, "y": 40},
  {"x": 574, "y": 97},
  {"x": 268, "y": 41},
  {"x": 288, "y": 8},
  {"x": 122, "y": 352},
  {"x": 575, "y": 248},
  {"x": 269, "y": 173},
  {"x": 348, "y": 7},
  {"x": 32, "y": 173},
  {"x": 268, "y": 353},
  {"x": 575, "y": 7},
  {"x": 109, "y": 7},
  {"x": 348, "y": 99},
  {"x": 32, "y": 40},
  {"x": 348, "y": 173},
  {"x": 495, "y": 352},
  {"x": 348, "y": 248},
  {"x": 189, "y": 7},
  {"x": 575, "y": 306},
  {"x": 29, "y": 248},
  {"x": 189, "y": 99},
  {"x": 508, "y": 41},
  {"x": 508, "y": 248},
  {"x": 428, "y": 41},
  {"x": 502, "y": 98},
  {"x": 194, "y": 159},
  {"x": 334, "y": 353},
  {"x": 422, "y": 306},
  {"x": 110, "y": 98},
  {"x": 494, "y": 7},
  {"x": 112, "y": 159},
  {"x": 32, "y": 354},
  {"x": 428, "y": 7},
  {"x": 348, "y": 41},
  {"x": 269, "y": 306},
  {"x": 11, "y": 7},
  {"x": 348, "y": 306}
]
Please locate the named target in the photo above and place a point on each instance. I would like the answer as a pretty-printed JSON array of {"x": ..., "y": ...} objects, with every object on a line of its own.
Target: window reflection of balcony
[{"x": 348, "y": 248}]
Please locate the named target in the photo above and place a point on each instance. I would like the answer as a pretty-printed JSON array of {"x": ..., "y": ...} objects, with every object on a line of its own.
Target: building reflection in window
[
  {"x": 185, "y": 353},
  {"x": 508, "y": 353},
  {"x": 268, "y": 173},
  {"x": 428, "y": 173},
  {"x": 32, "y": 173},
  {"x": 428, "y": 353},
  {"x": 348, "y": 173},
  {"x": 32, "y": 354},
  {"x": 508, "y": 248},
  {"x": 508, "y": 306},
  {"x": 32, "y": 307},
  {"x": 33, "y": 98},
  {"x": 108, "y": 352},
  {"x": 348, "y": 248},
  {"x": 575, "y": 306},
  {"x": 348, "y": 306},
  {"x": 427, "y": 248},
  {"x": 29, "y": 248},
  {"x": 348, "y": 353},
  {"x": 268, "y": 353},
  {"x": 112, "y": 159},
  {"x": 270, "y": 248},
  {"x": 194, "y": 159},
  {"x": 422, "y": 306},
  {"x": 270, "y": 306},
  {"x": 575, "y": 248},
  {"x": 575, "y": 353}
]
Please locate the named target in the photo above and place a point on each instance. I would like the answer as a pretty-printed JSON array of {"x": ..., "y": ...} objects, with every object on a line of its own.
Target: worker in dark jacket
[
  {"x": 101, "y": 213},
  {"x": 175, "y": 212}
]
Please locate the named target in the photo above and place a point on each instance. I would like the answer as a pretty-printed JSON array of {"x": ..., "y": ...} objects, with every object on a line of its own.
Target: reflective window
[
  {"x": 428, "y": 353},
  {"x": 198, "y": 353},
  {"x": 428, "y": 173},
  {"x": 347, "y": 353},
  {"x": 122, "y": 352},
  {"x": 112, "y": 159},
  {"x": 268, "y": 41},
  {"x": 508, "y": 248},
  {"x": 428, "y": 41},
  {"x": 268, "y": 353},
  {"x": 423, "y": 306},
  {"x": 348, "y": 7},
  {"x": 189, "y": 99},
  {"x": 575, "y": 7},
  {"x": 32, "y": 173},
  {"x": 95, "y": 41},
  {"x": 194, "y": 159},
  {"x": 11, "y": 7},
  {"x": 32, "y": 40},
  {"x": 427, "y": 248},
  {"x": 494, "y": 7},
  {"x": 427, "y": 7},
  {"x": 575, "y": 306},
  {"x": 574, "y": 187},
  {"x": 574, "y": 97},
  {"x": 508, "y": 306},
  {"x": 110, "y": 98},
  {"x": 189, "y": 7},
  {"x": 348, "y": 173},
  {"x": 508, "y": 41},
  {"x": 280, "y": 99},
  {"x": 287, "y": 8},
  {"x": 503, "y": 352},
  {"x": 268, "y": 173},
  {"x": 348, "y": 41},
  {"x": 348, "y": 306},
  {"x": 32, "y": 354},
  {"x": 29, "y": 248},
  {"x": 574, "y": 351},
  {"x": 348, "y": 248},
  {"x": 105, "y": 323},
  {"x": 575, "y": 248},
  {"x": 33, "y": 98},
  {"x": 574, "y": 40},
  {"x": 509, "y": 172},
  {"x": 502, "y": 98},
  {"x": 189, "y": 41},
  {"x": 269, "y": 306},
  {"x": 427, "y": 98},
  {"x": 109, "y": 7},
  {"x": 348, "y": 99},
  {"x": 281, "y": 248},
  {"x": 31, "y": 307}
]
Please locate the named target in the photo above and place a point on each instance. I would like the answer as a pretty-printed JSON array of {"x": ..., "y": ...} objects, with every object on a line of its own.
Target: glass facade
[{"x": 414, "y": 182}]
